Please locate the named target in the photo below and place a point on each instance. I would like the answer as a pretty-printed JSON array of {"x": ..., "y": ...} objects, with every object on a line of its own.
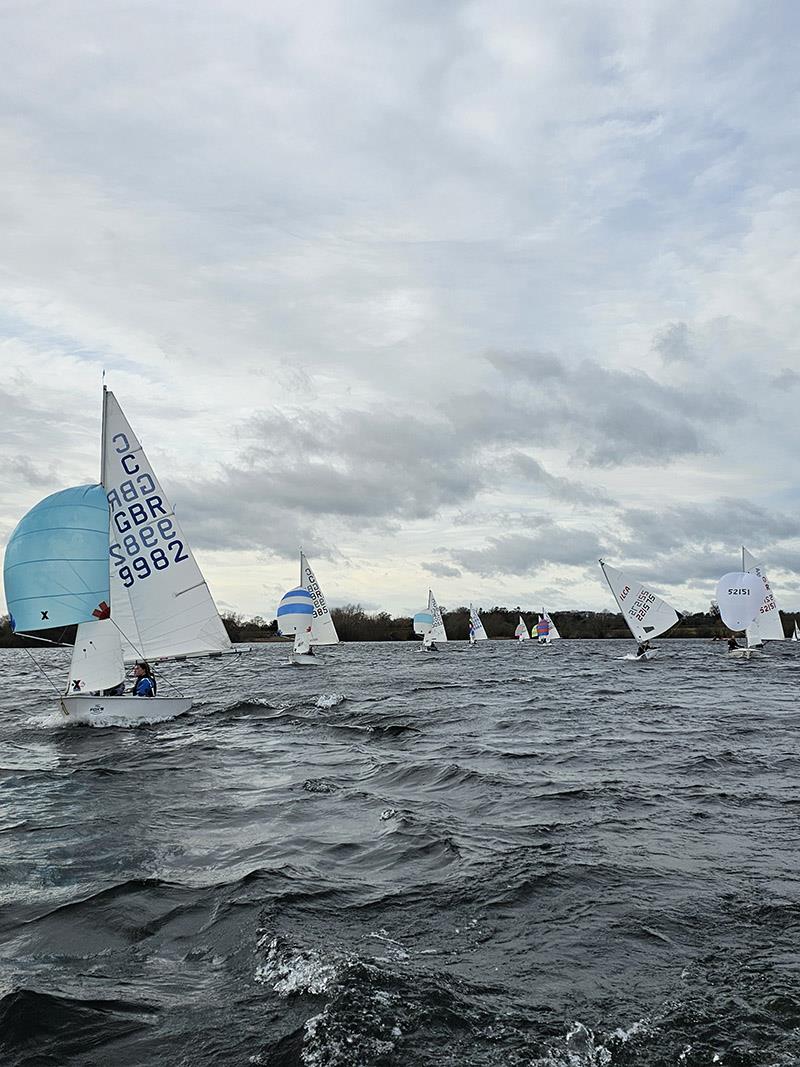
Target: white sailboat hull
[
  {"x": 745, "y": 653},
  {"x": 305, "y": 659},
  {"x": 651, "y": 653},
  {"x": 122, "y": 711}
]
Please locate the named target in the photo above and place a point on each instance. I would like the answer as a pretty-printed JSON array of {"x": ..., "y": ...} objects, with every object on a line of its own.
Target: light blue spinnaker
[
  {"x": 295, "y": 611},
  {"x": 56, "y": 567},
  {"x": 423, "y": 622}
]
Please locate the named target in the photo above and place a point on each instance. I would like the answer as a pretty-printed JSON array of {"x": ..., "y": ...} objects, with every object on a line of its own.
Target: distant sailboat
[
  {"x": 796, "y": 632},
  {"x": 304, "y": 613},
  {"x": 546, "y": 631},
  {"x": 476, "y": 630},
  {"x": 647, "y": 616},
  {"x": 112, "y": 558},
  {"x": 766, "y": 625},
  {"x": 430, "y": 625},
  {"x": 521, "y": 633}
]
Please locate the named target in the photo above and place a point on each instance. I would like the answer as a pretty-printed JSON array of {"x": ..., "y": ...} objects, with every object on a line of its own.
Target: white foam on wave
[
  {"x": 328, "y": 700},
  {"x": 292, "y": 970},
  {"x": 582, "y": 1049}
]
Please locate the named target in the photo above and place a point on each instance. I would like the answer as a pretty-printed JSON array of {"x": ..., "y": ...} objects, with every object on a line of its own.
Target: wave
[{"x": 44, "y": 1028}]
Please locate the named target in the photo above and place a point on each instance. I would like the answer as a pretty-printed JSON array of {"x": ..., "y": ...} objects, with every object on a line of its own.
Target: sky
[{"x": 463, "y": 295}]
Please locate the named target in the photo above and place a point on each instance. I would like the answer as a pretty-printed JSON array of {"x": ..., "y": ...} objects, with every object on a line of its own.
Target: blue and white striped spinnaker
[
  {"x": 295, "y": 612},
  {"x": 56, "y": 570}
]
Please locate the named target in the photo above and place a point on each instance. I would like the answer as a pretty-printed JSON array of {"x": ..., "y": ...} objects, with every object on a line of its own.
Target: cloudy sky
[{"x": 463, "y": 294}]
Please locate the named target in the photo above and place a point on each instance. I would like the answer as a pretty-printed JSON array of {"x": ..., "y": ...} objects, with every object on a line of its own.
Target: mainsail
[
  {"x": 521, "y": 632},
  {"x": 159, "y": 599},
  {"x": 645, "y": 613},
  {"x": 438, "y": 632},
  {"x": 323, "y": 631},
  {"x": 476, "y": 628},
  {"x": 767, "y": 625}
]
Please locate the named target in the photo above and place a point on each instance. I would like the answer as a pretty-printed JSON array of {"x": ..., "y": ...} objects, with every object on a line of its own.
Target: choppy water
[{"x": 499, "y": 856}]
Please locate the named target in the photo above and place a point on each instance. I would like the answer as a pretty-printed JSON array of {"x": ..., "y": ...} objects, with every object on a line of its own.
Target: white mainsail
[
  {"x": 438, "y": 632},
  {"x": 521, "y": 632},
  {"x": 796, "y": 632},
  {"x": 476, "y": 628},
  {"x": 767, "y": 625},
  {"x": 645, "y": 613},
  {"x": 323, "y": 631},
  {"x": 554, "y": 634},
  {"x": 159, "y": 599}
]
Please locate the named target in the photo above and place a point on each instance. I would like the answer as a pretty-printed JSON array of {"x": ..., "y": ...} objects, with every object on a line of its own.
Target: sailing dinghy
[
  {"x": 646, "y": 614},
  {"x": 113, "y": 558},
  {"x": 521, "y": 633},
  {"x": 476, "y": 628},
  {"x": 739, "y": 595},
  {"x": 430, "y": 625},
  {"x": 546, "y": 631},
  {"x": 304, "y": 612},
  {"x": 796, "y": 632}
]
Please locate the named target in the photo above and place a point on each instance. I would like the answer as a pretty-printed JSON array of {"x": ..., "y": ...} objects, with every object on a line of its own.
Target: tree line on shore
[{"x": 353, "y": 623}]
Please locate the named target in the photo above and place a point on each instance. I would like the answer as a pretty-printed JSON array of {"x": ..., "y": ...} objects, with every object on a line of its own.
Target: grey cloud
[
  {"x": 521, "y": 554},
  {"x": 725, "y": 523},
  {"x": 370, "y": 467},
  {"x": 25, "y": 470},
  {"x": 673, "y": 343},
  {"x": 785, "y": 379},
  {"x": 442, "y": 570},
  {"x": 609, "y": 417}
]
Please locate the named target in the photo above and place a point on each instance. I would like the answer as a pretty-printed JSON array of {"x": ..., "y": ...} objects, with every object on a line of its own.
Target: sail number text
[
  {"x": 148, "y": 540},
  {"x": 317, "y": 599}
]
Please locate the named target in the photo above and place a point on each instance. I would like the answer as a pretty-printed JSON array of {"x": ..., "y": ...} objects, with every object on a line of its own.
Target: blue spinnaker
[{"x": 56, "y": 567}]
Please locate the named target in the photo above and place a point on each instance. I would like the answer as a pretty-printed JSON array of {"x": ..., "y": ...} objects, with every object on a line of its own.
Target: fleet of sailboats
[{"x": 112, "y": 559}]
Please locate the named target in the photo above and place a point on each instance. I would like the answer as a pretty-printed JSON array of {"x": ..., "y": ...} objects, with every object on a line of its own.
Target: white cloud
[{"x": 292, "y": 236}]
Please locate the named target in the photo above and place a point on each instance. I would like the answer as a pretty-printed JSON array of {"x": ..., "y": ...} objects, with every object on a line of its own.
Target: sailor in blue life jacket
[{"x": 145, "y": 682}]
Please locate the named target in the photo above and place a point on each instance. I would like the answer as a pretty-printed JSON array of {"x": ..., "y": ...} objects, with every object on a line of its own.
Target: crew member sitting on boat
[
  {"x": 145, "y": 685},
  {"x": 733, "y": 643},
  {"x": 644, "y": 646}
]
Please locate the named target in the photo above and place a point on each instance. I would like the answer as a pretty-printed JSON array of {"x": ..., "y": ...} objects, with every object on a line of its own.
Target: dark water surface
[{"x": 496, "y": 856}]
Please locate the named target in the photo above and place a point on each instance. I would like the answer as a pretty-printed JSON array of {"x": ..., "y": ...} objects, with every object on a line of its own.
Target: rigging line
[{"x": 50, "y": 680}]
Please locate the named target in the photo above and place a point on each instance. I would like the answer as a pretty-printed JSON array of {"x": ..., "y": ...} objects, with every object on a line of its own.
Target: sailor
[
  {"x": 643, "y": 647},
  {"x": 145, "y": 685},
  {"x": 732, "y": 643}
]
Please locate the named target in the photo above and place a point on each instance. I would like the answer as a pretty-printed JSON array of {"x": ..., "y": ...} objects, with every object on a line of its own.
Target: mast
[{"x": 103, "y": 436}]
